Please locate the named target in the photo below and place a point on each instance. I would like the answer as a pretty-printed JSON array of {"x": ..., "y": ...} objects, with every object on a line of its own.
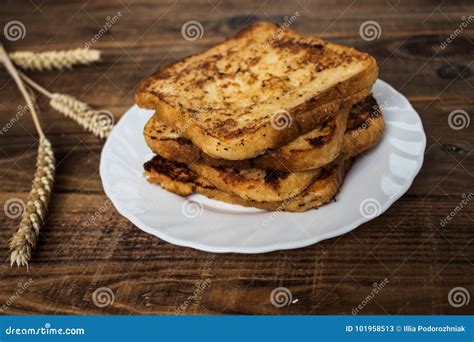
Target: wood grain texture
[{"x": 80, "y": 251}]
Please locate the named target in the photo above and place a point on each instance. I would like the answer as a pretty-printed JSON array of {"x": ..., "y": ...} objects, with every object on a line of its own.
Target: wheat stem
[
  {"x": 21, "y": 86},
  {"x": 35, "y": 85}
]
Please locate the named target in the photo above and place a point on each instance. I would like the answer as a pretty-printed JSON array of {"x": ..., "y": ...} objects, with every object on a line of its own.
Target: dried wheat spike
[
  {"x": 99, "y": 122},
  {"x": 48, "y": 60},
  {"x": 24, "y": 240}
]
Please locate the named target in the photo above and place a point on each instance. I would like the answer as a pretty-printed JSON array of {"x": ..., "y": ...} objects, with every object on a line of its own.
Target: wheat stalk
[
  {"x": 99, "y": 122},
  {"x": 24, "y": 240},
  {"x": 60, "y": 60}
]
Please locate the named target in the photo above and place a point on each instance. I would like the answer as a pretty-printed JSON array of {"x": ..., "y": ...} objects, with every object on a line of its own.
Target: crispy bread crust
[{"x": 242, "y": 129}]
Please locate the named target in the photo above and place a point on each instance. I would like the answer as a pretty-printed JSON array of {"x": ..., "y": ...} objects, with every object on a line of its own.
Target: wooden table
[{"x": 421, "y": 260}]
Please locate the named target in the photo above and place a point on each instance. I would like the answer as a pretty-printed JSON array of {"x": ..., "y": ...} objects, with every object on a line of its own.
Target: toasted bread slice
[
  {"x": 310, "y": 151},
  {"x": 257, "y": 184},
  {"x": 179, "y": 179},
  {"x": 228, "y": 100}
]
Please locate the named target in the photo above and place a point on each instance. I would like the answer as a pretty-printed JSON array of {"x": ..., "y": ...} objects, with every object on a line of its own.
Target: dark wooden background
[{"x": 407, "y": 245}]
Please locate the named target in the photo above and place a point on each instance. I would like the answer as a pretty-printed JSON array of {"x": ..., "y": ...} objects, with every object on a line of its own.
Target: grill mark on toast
[
  {"x": 176, "y": 171},
  {"x": 362, "y": 113},
  {"x": 329, "y": 129},
  {"x": 318, "y": 141},
  {"x": 274, "y": 177}
]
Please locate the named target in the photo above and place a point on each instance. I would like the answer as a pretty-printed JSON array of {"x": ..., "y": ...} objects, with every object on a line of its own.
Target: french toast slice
[
  {"x": 229, "y": 100},
  {"x": 257, "y": 184},
  {"x": 310, "y": 151},
  {"x": 179, "y": 179}
]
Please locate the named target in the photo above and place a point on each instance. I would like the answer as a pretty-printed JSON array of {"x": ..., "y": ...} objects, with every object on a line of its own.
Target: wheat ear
[
  {"x": 25, "y": 239},
  {"x": 48, "y": 60},
  {"x": 99, "y": 122}
]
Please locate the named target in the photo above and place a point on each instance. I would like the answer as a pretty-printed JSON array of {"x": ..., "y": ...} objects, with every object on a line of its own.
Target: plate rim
[{"x": 275, "y": 246}]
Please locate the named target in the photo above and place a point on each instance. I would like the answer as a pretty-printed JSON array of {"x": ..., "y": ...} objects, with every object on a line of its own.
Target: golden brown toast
[
  {"x": 256, "y": 184},
  {"x": 229, "y": 99},
  {"x": 179, "y": 179},
  {"x": 310, "y": 151}
]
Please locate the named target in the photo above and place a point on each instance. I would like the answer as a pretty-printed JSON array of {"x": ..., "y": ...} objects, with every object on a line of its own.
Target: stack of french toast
[{"x": 268, "y": 119}]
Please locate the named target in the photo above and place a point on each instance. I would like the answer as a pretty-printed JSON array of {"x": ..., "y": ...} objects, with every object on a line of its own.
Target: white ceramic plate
[{"x": 376, "y": 181}]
